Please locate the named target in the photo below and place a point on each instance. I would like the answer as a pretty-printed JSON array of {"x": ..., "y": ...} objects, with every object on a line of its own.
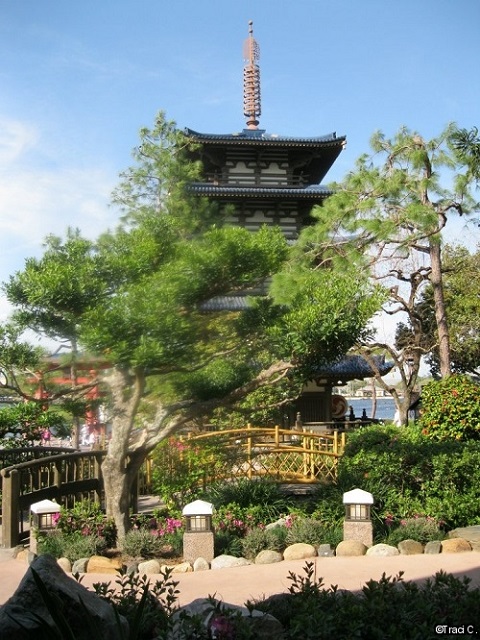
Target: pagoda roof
[
  {"x": 315, "y": 192},
  {"x": 353, "y": 367},
  {"x": 261, "y": 137}
]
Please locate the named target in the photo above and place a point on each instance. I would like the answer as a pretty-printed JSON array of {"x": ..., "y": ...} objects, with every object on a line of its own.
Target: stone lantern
[
  {"x": 358, "y": 522},
  {"x": 43, "y": 518},
  {"x": 198, "y": 539}
]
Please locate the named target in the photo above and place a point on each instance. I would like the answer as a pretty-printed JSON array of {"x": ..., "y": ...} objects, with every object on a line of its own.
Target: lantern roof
[
  {"x": 198, "y": 508},
  {"x": 357, "y": 496},
  {"x": 45, "y": 506}
]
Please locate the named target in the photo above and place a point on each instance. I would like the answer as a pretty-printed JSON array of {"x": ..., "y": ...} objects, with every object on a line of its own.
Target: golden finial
[{"x": 251, "y": 80}]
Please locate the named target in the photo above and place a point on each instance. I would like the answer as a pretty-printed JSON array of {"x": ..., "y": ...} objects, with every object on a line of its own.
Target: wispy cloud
[{"x": 36, "y": 201}]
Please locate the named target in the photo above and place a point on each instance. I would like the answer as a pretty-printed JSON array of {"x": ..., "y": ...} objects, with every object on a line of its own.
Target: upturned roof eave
[
  {"x": 260, "y": 138},
  {"x": 315, "y": 194}
]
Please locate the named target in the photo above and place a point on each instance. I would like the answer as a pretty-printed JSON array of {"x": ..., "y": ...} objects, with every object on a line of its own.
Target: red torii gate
[{"x": 93, "y": 424}]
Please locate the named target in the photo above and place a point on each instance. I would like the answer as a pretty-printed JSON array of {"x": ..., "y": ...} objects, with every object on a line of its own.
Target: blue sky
[{"x": 78, "y": 81}]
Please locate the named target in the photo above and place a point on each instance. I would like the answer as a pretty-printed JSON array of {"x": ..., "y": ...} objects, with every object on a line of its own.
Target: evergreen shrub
[
  {"x": 451, "y": 409},
  {"x": 410, "y": 475}
]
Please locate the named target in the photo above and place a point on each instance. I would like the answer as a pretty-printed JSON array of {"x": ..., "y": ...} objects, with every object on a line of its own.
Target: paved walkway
[{"x": 237, "y": 585}]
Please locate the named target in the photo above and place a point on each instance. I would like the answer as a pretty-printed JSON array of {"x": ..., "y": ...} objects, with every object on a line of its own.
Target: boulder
[
  {"x": 383, "y": 550},
  {"x": 25, "y": 556},
  {"x": 281, "y": 522},
  {"x": 299, "y": 551},
  {"x": 80, "y": 566},
  {"x": 472, "y": 534},
  {"x": 183, "y": 567},
  {"x": 221, "y": 620},
  {"x": 226, "y": 561},
  {"x": 65, "y": 564},
  {"x": 78, "y": 606},
  {"x": 268, "y": 556},
  {"x": 149, "y": 567},
  {"x": 351, "y": 548},
  {"x": 100, "y": 564},
  {"x": 325, "y": 551},
  {"x": 410, "y": 547},
  {"x": 201, "y": 564},
  {"x": 432, "y": 547},
  {"x": 456, "y": 545}
]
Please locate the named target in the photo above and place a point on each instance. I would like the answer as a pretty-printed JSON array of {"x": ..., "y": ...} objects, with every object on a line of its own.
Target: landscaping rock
[
  {"x": 26, "y": 606},
  {"x": 410, "y": 547},
  {"x": 472, "y": 534},
  {"x": 25, "y": 556},
  {"x": 263, "y": 626},
  {"x": 299, "y": 551},
  {"x": 267, "y": 556},
  {"x": 131, "y": 567},
  {"x": 183, "y": 567},
  {"x": 383, "y": 550},
  {"x": 80, "y": 566},
  {"x": 226, "y": 561},
  {"x": 201, "y": 564},
  {"x": 100, "y": 564},
  {"x": 325, "y": 551},
  {"x": 275, "y": 525},
  {"x": 456, "y": 545},
  {"x": 65, "y": 564},
  {"x": 149, "y": 567},
  {"x": 351, "y": 548},
  {"x": 434, "y": 546}
]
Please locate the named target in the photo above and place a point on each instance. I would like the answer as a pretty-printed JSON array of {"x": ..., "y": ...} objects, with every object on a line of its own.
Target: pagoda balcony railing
[{"x": 240, "y": 179}]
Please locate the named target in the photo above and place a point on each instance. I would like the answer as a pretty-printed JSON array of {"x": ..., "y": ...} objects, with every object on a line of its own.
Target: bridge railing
[
  {"x": 65, "y": 478},
  {"x": 283, "y": 455}
]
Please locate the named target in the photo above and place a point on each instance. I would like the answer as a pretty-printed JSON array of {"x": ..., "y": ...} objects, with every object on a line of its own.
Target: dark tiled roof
[
  {"x": 225, "y": 303},
  {"x": 353, "y": 368},
  {"x": 307, "y": 193},
  {"x": 259, "y": 136}
]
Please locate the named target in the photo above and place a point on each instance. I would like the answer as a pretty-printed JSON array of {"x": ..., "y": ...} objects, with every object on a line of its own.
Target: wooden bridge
[
  {"x": 284, "y": 455},
  {"x": 67, "y": 476}
]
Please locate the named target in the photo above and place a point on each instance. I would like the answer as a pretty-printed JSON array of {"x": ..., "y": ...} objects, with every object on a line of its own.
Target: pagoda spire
[{"x": 251, "y": 80}]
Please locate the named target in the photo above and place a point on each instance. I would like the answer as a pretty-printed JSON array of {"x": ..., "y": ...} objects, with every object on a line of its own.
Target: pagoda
[{"x": 259, "y": 178}]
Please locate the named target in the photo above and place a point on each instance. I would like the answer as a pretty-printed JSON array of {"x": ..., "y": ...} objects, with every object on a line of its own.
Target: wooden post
[
  {"x": 335, "y": 442},
  {"x": 97, "y": 472},
  {"x": 249, "y": 453},
  {"x": 305, "y": 457},
  {"x": 10, "y": 509}
]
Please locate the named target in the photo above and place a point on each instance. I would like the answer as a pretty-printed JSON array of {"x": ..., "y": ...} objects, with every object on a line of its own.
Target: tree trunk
[
  {"x": 118, "y": 483},
  {"x": 120, "y": 466},
  {"x": 440, "y": 312}
]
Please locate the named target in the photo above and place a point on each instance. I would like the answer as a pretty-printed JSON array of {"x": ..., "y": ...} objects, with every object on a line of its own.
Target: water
[{"x": 385, "y": 407}]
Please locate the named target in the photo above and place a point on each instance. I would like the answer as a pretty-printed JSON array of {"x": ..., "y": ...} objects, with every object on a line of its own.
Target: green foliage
[
  {"x": 326, "y": 313},
  {"x": 306, "y": 530},
  {"x": 258, "y": 539},
  {"x": 182, "y": 469},
  {"x": 142, "y": 543},
  {"x": 148, "y": 608},
  {"x": 385, "y": 608},
  {"x": 27, "y": 420},
  {"x": 264, "y": 494},
  {"x": 155, "y": 537},
  {"x": 87, "y": 518},
  {"x": 73, "y": 545},
  {"x": 451, "y": 409},
  {"x": 410, "y": 475},
  {"x": 421, "y": 529},
  {"x": 461, "y": 286}
]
